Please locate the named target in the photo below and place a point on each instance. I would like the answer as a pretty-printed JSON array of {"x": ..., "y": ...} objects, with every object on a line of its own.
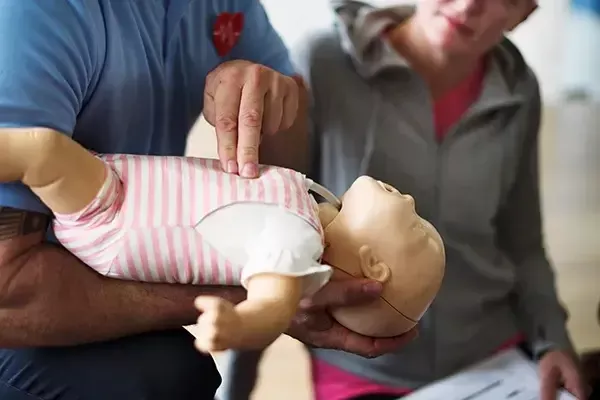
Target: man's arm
[
  {"x": 520, "y": 235},
  {"x": 47, "y": 297}
]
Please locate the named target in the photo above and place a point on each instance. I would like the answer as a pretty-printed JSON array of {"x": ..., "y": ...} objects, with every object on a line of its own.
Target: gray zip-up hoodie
[{"x": 479, "y": 187}]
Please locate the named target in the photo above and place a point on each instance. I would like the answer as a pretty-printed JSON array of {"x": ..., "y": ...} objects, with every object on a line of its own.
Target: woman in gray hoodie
[{"x": 436, "y": 101}]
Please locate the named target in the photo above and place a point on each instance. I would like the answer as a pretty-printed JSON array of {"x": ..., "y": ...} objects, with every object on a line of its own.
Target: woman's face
[{"x": 469, "y": 27}]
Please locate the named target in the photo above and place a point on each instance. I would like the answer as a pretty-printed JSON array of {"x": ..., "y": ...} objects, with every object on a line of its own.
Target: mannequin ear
[{"x": 371, "y": 267}]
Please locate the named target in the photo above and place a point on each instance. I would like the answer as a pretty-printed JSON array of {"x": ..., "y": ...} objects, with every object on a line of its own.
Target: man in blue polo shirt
[{"x": 132, "y": 76}]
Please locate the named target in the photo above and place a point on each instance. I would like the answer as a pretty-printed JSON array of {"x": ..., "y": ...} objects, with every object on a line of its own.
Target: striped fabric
[{"x": 141, "y": 226}]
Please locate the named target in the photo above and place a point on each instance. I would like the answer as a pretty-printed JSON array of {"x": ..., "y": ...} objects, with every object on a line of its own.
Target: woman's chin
[
  {"x": 450, "y": 45},
  {"x": 446, "y": 40}
]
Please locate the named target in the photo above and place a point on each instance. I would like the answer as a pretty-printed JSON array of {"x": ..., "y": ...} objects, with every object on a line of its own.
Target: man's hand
[
  {"x": 243, "y": 100},
  {"x": 559, "y": 369},
  {"x": 315, "y": 327}
]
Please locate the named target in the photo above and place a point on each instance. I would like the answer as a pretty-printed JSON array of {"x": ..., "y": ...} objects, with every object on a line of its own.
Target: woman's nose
[{"x": 470, "y": 8}]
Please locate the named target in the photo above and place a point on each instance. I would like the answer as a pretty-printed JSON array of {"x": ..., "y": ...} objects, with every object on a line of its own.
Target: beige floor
[{"x": 571, "y": 196}]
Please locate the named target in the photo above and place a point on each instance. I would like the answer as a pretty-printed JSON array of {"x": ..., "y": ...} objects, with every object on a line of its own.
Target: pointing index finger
[
  {"x": 227, "y": 105},
  {"x": 250, "y": 122}
]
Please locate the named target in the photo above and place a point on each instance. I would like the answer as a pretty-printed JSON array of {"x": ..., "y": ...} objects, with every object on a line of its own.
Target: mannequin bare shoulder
[{"x": 51, "y": 164}]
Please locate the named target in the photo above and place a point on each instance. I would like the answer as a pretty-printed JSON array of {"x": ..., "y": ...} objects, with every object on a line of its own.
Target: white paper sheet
[{"x": 506, "y": 376}]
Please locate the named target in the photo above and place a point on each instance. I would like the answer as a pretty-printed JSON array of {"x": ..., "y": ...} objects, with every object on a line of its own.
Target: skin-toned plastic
[{"x": 375, "y": 233}]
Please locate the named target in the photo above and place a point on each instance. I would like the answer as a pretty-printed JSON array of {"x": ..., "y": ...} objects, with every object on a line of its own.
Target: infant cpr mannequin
[
  {"x": 184, "y": 220},
  {"x": 378, "y": 235}
]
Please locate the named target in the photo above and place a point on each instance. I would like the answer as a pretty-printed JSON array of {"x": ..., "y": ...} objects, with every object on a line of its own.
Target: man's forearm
[{"x": 48, "y": 298}]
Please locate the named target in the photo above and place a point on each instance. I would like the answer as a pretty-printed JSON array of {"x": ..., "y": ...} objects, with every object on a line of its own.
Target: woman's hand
[
  {"x": 315, "y": 327},
  {"x": 559, "y": 369}
]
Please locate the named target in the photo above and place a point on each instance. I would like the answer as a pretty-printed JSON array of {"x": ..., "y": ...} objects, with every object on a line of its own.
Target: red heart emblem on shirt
[{"x": 226, "y": 32}]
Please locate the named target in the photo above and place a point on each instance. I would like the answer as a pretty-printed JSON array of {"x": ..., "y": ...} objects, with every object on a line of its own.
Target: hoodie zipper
[{"x": 441, "y": 152}]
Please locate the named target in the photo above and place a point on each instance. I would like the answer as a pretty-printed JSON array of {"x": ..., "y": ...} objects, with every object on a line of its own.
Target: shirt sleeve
[
  {"x": 538, "y": 307},
  {"x": 288, "y": 246},
  {"x": 45, "y": 67},
  {"x": 260, "y": 43}
]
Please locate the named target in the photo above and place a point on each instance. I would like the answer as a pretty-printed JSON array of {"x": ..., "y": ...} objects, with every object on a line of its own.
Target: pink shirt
[
  {"x": 146, "y": 222},
  {"x": 332, "y": 383},
  {"x": 450, "y": 107}
]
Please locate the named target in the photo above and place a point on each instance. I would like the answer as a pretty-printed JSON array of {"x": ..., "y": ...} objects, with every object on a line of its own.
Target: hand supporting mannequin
[{"x": 377, "y": 234}]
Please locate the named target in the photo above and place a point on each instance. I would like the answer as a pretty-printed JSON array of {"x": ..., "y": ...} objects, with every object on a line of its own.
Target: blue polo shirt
[{"x": 119, "y": 76}]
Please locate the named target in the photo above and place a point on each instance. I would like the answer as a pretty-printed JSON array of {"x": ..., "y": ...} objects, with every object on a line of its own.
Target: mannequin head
[{"x": 378, "y": 235}]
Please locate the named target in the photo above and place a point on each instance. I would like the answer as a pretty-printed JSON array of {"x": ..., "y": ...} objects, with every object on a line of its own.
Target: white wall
[{"x": 540, "y": 38}]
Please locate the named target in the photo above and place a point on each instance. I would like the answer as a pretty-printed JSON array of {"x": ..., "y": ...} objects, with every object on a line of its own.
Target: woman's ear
[{"x": 371, "y": 267}]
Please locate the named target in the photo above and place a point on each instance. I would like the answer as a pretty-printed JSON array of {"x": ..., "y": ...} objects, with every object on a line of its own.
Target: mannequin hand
[
  {"x": 218, "y": 326},
  {"x": 315, "y": 327},
  {"x": 243, "y": 100},
  {"x": 558, "y": 368}
]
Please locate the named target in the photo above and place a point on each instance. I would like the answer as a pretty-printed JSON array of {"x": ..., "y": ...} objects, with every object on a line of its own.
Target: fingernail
[
  {"x": 372, "y": 288},
  {"x": 232, "y": 167},
  {"x": 250, "y": 170}
]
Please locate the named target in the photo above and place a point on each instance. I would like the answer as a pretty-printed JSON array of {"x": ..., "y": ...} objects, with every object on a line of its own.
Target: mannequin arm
[
  {"x": 255, "y": 323},
  {"x": 267, "y": 312},
  {"x": 63, "y": 174}
]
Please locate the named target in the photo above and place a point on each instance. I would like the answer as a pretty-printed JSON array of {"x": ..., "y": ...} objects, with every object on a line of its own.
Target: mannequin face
[{"x": 469, "y": 27}]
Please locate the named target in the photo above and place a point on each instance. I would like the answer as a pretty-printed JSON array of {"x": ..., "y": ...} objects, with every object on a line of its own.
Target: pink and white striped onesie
[{"x": 183, "y": 220}]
